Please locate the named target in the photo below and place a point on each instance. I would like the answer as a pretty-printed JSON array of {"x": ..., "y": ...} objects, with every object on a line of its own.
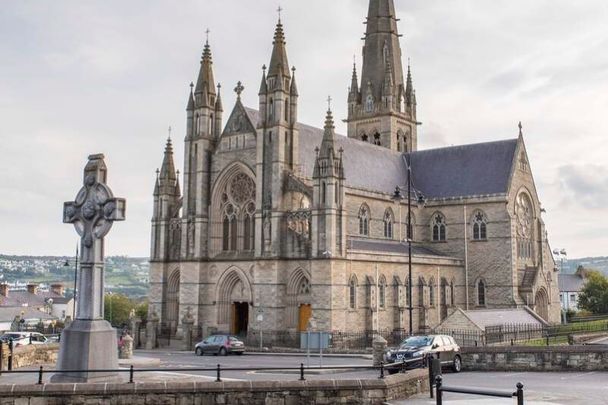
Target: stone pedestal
[
  {"x": 87, "y": 345},
  {"x": 151, "y": 331},
  {"x": 379, "y": 345},
  {"x": 187, "y": 327},
  {"x": 135, "y": 324}
]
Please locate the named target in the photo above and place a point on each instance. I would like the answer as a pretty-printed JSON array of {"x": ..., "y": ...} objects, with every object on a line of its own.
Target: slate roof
[
  {"x": 457, "y": 171},
  {"x": 387, "y": 246},
  {"x": 25, "y": 298},
  {"x": 570, "y": 282},
  {"x": 8, "y": 314},
  {"x": 493, "y": 317}
]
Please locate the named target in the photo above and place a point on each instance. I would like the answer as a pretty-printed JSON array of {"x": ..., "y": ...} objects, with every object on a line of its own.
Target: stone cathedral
[{"x": 300, "y": 225}]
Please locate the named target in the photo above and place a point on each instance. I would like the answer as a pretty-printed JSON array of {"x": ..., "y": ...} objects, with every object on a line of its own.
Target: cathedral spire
[
  {"x": 167, "y": 170},
  {"x": 205, "y": 85},
  {"x": 409, "y": 88},
  {"x": 218, "y": 102},
  {"x": 381, "y": 47},
  {"x": 264, "y": 84},
  {"x": 293, "y": 91},
  {"x": 279, "y": 64},
  {"x": 353, "y": 95},
  {"x": 191, "y": 105}
]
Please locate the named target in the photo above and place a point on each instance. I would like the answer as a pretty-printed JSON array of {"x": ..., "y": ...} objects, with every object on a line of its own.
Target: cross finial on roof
[
  {"x": 279, "y": 11},
  {"x": 169, "y": 138},
  {"x": 207, "y": 32},
  {"x": 328, "y": 103},
  {"x": 521, "y": 127},
  {"x": 239, "y": 89}
]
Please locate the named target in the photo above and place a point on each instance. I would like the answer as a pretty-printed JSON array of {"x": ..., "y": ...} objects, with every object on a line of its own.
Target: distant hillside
[
  {"x": 127, "y": 275},
  {"x": 595, "y": 263}
]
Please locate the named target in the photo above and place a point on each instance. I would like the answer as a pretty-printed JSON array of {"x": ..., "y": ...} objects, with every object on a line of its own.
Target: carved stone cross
[
  {"x": 93, "y": 212},
  {"x": 239, "y": 89}
]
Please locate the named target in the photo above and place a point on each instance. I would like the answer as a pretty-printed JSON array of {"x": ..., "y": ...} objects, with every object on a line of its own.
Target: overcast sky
[{"x": 81, "y": 77}]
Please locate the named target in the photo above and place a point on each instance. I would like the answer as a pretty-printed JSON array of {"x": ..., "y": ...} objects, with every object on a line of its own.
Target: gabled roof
[
  {"x": 467, "y": 170},
  {"x": 457, "y": 171},
  {"x": 509, "y": 316},
  {"x": 27, "y": 299},
  {"x": 570, "y": 282},
  {"x": 8, "y": 314}
]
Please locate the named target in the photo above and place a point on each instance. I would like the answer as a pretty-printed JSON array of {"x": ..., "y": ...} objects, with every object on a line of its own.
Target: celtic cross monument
[{"x": 90, "y": 341}]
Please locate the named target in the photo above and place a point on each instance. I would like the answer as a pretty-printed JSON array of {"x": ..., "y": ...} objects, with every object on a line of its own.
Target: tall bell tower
[{"x": 382, "y": 108}]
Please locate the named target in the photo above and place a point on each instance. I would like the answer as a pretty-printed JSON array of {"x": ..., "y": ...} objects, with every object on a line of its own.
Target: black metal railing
[
  {"x": 440, "y": 388},
  {"x": 217, "y": 370}
]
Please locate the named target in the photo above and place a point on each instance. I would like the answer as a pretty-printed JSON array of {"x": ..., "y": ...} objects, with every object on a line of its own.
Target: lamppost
[
  {"x": 67, "y": 264},
  {"x": 562, "y": 256},
  {"x": 397, "y": 196}
]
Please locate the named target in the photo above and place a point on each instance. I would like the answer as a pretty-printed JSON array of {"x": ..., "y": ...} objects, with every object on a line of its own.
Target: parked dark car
[
  {"x": 222, "y": 345},
  {"x": 420, "y": 348}
]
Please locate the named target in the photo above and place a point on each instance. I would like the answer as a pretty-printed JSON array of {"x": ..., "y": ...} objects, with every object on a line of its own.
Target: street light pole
[{"x": 408, "y": 234}]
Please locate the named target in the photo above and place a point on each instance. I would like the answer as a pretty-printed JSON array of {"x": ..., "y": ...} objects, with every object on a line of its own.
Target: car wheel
[
  {"x": 199, "y": 351},
  {"x": 457, "y": 366},
  {"x": 239, "y": 353},
  {"x": 223, "y": 352}
]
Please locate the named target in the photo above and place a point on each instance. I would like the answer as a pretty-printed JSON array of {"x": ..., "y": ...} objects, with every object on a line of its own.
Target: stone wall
[
  {"x": 31, "y": 355},
  {"x": 554, "y": 358},
  {"x": 372, "y": 391}
]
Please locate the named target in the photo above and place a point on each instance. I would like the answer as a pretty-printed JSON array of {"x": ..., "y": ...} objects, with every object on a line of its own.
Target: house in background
[
  {"x": 52, "y": 302},
  {"x": 30, "y": 317},
  {"x": 570, "y": 287}
]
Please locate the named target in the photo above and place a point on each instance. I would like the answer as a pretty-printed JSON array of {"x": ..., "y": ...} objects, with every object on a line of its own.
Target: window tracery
[
  {"x": 237, "y": 207},
  {"x": 479, "y": 226},
  {"x": 388, "y": 224},
  {"x": 364, "y": 220},
  {"x": 524, "y": 217},
  {"x": 439, "y": 228}
]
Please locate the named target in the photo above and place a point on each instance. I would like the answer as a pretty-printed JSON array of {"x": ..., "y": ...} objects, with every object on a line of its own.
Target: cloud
[{"x": 584, "y": 185}]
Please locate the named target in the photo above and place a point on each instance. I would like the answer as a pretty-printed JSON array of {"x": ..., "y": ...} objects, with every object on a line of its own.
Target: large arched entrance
[
  {"x": 234, "y": 299},
  {"x": 541, "y": 304}
]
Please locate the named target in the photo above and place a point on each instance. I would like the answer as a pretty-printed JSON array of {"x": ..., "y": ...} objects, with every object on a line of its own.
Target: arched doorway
[
  {"x": 234, "y": 299},
  {"x": 172, "y": 302},
  {"x": 299, "y": 299},
  {"x": 541, "y": 304}
]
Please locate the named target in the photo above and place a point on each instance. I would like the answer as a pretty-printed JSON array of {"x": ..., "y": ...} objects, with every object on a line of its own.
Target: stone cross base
[{"x": 87, "y": 345}]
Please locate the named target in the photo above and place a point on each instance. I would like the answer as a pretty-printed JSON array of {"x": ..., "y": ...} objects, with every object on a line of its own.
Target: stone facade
[
  {"x": 30, "y": 355},
  {"x": 280, "y": 223}
]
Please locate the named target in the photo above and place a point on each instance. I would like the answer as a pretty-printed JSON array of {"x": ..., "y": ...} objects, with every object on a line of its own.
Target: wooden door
[{"x": 304, "y": 317}]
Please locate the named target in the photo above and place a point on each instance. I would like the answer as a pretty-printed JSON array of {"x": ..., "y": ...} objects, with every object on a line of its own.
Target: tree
[
  {"x": 141, "y": 310},
  {"x": 594, "y": 295},
  {"x": 117, "y": 308}
]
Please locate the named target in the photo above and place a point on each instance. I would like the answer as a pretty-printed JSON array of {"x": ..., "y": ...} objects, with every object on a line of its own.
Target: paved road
[
  {"x": 184, "y": 361},
  {"x": 588, "y": 388}
]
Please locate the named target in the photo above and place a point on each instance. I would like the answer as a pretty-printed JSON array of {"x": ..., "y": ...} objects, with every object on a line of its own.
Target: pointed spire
[
  {"x": 278, "y": 61},
  {"x": 354, "y": 84},
  {"x": 167, "y": 170},
  {"x": 381, "y": 46},
  {"x": 190, "y": 106},
  {"x": 293, "y": 91},
  {"x": 157, "y": 183},
  {"x": 329, "y": 135},
  {"x": 219, "y": 107},
  {"x": 264, "y": 84},
  {"x": 205, "y": 85},
  {"x": 409, "y": 87},
  {"x": 178, "y": 191}
]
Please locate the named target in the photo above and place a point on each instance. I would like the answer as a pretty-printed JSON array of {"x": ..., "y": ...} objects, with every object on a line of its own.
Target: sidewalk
[{"x": 269, "y": 352}]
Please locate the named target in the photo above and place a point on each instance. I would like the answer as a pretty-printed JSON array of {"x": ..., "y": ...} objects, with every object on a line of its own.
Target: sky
[{"x": 83, "y": 77}]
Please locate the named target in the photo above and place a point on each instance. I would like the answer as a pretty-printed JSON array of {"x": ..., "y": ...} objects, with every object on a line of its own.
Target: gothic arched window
[
  {"x": 271, "y": 110},
  {"x": 323, "y": 192},
  {"x": 352, "y": 293},
  {"x": 388, "y": 224},
  {"x": 432, "y": 292},
  {"x": 439, "y": 227},
  {"x": 421, "y": 285},
  {"x": 377, "y": 139},
  {"x": 229, "y": 229},
  {"x": 479, "y": 226},
  {"x": 364, "y": 138},
  {"x": 287, "y": 110},
  {"x": 382, "y": 293},
  {"x": 481, "y": 293},
  {"x": 234, "y": 203},
  {"x": 524, "y": 217},
  {"x": 364, "y": 220}
]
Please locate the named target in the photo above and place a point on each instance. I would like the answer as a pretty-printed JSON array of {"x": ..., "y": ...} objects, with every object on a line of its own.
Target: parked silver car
[
  {"x": 220, "y": 345},
  {"x": 24, "y": 338}
]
